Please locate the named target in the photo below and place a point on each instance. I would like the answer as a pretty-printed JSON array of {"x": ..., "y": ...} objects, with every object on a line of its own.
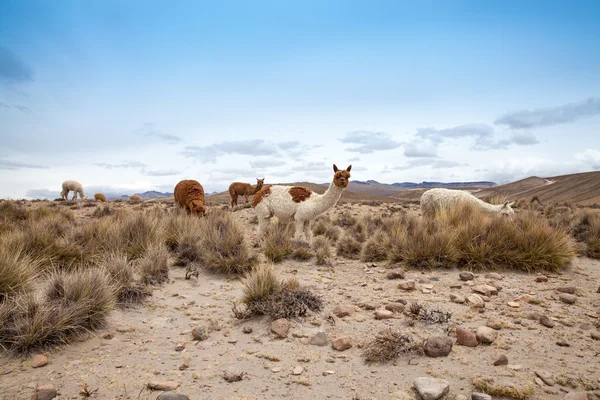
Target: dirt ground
[{"x": 152, "y": 341}]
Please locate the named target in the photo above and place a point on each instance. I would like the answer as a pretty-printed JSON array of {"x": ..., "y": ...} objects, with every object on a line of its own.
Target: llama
[
  {"x": 244, "y": 189},
  {"x": 100, "y": 197},
  {"x": 189, "y": 194},
  {"x": 76, "y": 187},
  {"x": 135, "y": 198},
  {"x": 297, "y": 203},
  {"x": 435, "y": 199}
]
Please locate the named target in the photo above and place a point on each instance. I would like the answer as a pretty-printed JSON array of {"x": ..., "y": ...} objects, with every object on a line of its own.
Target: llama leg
[
  {"x": 262, "y": 225},
  {"x": 74, "y": 195},
  {"x": 299, "y": 230},
  {"x": 307, "y": 232}
]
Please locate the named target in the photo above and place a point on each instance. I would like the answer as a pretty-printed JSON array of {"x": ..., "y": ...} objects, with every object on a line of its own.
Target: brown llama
[
  {"x": 189, "y": 195},
  {"x": 243, "y": 189}
]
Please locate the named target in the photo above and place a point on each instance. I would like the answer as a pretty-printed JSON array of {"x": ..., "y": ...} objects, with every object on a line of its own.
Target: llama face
[
  {"x": 341, "y": 177},
  {"x": 260, "y": 182},
  {"x": 197, "y": 208},
  {"x": 506, "y": 210}
]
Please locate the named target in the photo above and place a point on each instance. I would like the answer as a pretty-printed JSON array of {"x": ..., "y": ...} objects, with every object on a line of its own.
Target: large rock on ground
[
  {"x": 341, "y": 311},
  {"x": 486, "y": 334},
  {"x": 466, "y": 337},
  {"x": 45, "y": 392},
  {"x": 431, "y": 388},
  {"x": 438, "y": 346},
  {"x": 163, "y": 385},
  {"x": 475, "y": 301},
  {"x": 281, "y": 327},
  {"x": 172, "y": 396},
  {"x": 342, "y": 343}
]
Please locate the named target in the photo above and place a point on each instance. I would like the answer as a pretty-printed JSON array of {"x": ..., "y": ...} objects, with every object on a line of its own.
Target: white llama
[
  {"x": 298, "y": 203},
  {"x": 435, "y": 199},
  {"x": 76, "y": 187}
]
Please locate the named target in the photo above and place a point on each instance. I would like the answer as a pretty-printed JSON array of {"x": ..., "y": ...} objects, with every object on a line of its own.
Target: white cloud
[{"x": 368, "y": 141}]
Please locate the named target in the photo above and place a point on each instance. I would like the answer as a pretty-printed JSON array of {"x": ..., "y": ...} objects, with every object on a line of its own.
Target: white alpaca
[
  {"x": 435, "y": 199},
  {"x": 298, "y": 203},
  {"x": 76, "y": 187}
]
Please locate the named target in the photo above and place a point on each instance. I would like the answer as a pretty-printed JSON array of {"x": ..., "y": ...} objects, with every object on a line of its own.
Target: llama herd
[{"x": 298, "y": 204}]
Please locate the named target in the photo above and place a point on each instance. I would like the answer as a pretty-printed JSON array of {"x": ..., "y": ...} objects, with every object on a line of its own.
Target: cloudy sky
[{"x": 136, "y": 95}]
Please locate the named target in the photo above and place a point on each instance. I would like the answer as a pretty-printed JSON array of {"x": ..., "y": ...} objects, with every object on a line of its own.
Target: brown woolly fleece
[
  {"x": 243, "y": 189},
  {"x": 100, "y": 197},
  {"x": 135, "y": 197},
  {"x": 189, "y": 194},
  {"x": 264, "y": 192},
  {"x": 299, "y": 194}
]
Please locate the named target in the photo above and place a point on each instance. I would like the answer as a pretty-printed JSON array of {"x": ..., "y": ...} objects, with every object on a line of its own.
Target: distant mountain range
[{"x": 388, "y": 189}]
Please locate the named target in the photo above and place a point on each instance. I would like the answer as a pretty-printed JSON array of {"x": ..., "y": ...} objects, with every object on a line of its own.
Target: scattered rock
[
  {"x": 513, "y": 304},
  {"x": 163, "y": 385},
  {"x": 502, "y": 360},
  {"x": 486, "y": 334},
  {"x": 567, "y": 298},
  {"x": 431, "y": 388},
  {"x": 595, "y": 335},
  {"x": 108, "y": 335},
  {"x": 486, "y": 290},
  {"x": 343, "y": 311},
  {"x": 320, "y": 339},
  {"x": 396, "y": 274},
  {"x": 172, "y": 396},
  {"x": 45, "y": 392},
  {"x": 233, "y": 375},
  {"x": 576, "y": 396},
  {"x": 515, "y": 367},
  {"x": 383, "y": 314},
  {"x": 281, "y": 327},
  {"x": 466, "y": 276},
  {"x": 563, "y": 343},
  {"x": 546, "y": 321},
  {"x": 342, "y": 343},
  {"x": 39, "y": 360},
  {"x": 247, "y": 330},
  {"x": 180, "y": 347},
  {"x": 480, "y": 396},
  {"x": 545, "y": 376},
  {"x": 457, "y": 298},
  {"x": 407, "y": 285},
  {"x": 438, "y": 346},
  {"x": 494, "y": 324},
  {"x": 541, "y": 278},
  {"x": 368, "y": 306},
  {"x": 298, "y": 370},
  {"x": 200, "y": 333},
  {"x": 475, "y": 301},
  {"x": 495, "y": 276},
  {"x": 395, "y": 307},
  {"x": 566, "y": 289},
  {"x": 466, "y": 337}
]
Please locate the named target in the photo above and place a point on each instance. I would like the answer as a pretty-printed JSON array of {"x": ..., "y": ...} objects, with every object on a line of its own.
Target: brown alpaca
[
  {"x": 100, "y": 197},
  {"x": 189, "y": 194},
  {"x": 135, "y": 198},
  {"x": 244, "y": 189}
]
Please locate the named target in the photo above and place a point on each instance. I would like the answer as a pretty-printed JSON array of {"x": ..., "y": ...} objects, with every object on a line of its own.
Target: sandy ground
[{"x": 146, "y": 338}]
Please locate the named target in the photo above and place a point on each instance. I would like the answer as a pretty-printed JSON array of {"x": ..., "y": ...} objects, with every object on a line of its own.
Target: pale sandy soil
[{"x": 144, "y": 346}]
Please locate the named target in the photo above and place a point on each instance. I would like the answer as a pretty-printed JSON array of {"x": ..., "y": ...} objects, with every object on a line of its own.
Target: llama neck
[
  {"x": 328, "y": 199},
  {"x": 256, "y": 189},
  {"x": 492, "y": 208}
]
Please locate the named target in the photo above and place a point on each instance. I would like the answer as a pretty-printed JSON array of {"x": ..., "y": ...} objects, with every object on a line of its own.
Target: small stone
[
  {"x": 502, "y": 360},
  {"x": 233, "y": 375},
  {"x": 514, "y": 367},
  {"x": 475, "y": 301},
  {"x": 247, "y": 330},
  {"x": 494, "y": 324},
  {"x": 320, "y": 339},
  {"x": 395, "y": 307},
  {"x": 281, "y": 327},
  {"x": 466, "y": 337},
  {"x": 545, "y": 376},
  {"x": 541, "y": 278},
  {"x": 595, "y": 335},
  {"x": 466, "y": 276},
  {"x": 457, "y": 298},
  {"x": 563, "y": 343},
  {"x": 438, "y": 346},
  {"x": 495, "y": 276},
  {"x": 45, "y": 392},
  {"x": 343, "y": 311},
  {"x": 298, "y": 370},
  {"x": 566, "y": 289},
  {"x": 39, "y": 360},
  {"x": 407, "y": 285},
  {"x": 108, "y": 335},
  {"x": 576, "y": 396},
  {"x": 200, "y": 333},
  {"x": 396, "y": 274},
  {"x": 567, "y": 298},
  {"x": 486, "y": 290},
  {"x": 480, "y": 396},
  {"x": 383, "y": 314},
  {"x": 368, "y": 306},
  {"x": 276, "y": 369},
  {"x": 172, "y": 396},
  {"x": 486, "y": 334},
  {"x": 585, "y": 327},
  {"x": 163, "y": 385},
  {"x": 342, "y": 343},
  {"x": 431, "y": 388},
  {"x": 546, "y": 321},
  {"x": 180, "y": 347}
]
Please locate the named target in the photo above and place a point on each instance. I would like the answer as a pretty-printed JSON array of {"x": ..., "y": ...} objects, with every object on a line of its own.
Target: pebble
[
  {"x": 233, "y": 375},
  {"x": 163, "y": 385},
  {"x": 298, "y": 370},
  {"x": 342, "y": 343},
  {"x": 475, "y": 301},
  {"x": 45, "y": 392},
  {"x": 281, "y": 327},
  {"x": 457, "y": 298},
  {"x": 486, "y": 290},
  {"x": 495, "y": 276},
  {"x": 466, "y": 337},
  {"x": 180, "y": 347},
  {"x": 513, "y": 304},
  {"x": 247, "y": 330},
  {"x": 39, "y": 360},
  {"x": 172, "y": 396},
  {"x": 568, "y": 298},
  {"x": 563, "y": 343},
  {"x": 438, "y": 346},
  {"x": 320, "y": 339},
  {"x": 546, "y": 321},
  {"x": 396, "y": 274},
  {"x": 384, "y": 314},
  {"x": 502, "y": 360},
  {"x": 200, "y": 333},
  {"x": 343, "y": 311},
  {"x": 108, "y": 335},
  {"x": 576, "y": 396},
  {"x": 545, "y": 376},
  {"x": 395, "y": 307},
  {"x": 566, "y": 289},
  {"x": 514, "y": 367},
  {"x": 595, "y": 335},
  {"x": 480, "y": 396},
  {"x": 486, "y": 334},
  {"x": 431, "y": 388},
  {"x": 466, "y": 276},
  {"x": 541, "y": 278},
  {"x": 494, "y": 324},
  {"x": 407, "y": 285}
]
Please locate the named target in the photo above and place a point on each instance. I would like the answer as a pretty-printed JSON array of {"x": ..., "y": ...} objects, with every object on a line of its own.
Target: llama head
[
  {"x": 259, "y": 183},
  {"x": 506, "y": 209},
  {"x": 197, "y": 207},
  {"x": 341, "y": 177}
]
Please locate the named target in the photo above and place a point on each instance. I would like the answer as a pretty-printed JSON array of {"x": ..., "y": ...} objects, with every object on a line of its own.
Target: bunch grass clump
[
  {"x": 322, "y": 248},
  {"x": 154, "y": 264},
  {"x": 277, "y": 242},
  {"x": 387, "y": 346},
  {"x": 18, "y": 271},
  {"x": 349, "y": 247}
]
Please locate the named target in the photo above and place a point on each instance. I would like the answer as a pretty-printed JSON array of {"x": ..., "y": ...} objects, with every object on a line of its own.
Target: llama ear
[
  {"x": 511, "y": 203},
  {"x": 335, "y": 168},
  {"x": 349, "y": 168},
  {"x": 505, "y": 204}
]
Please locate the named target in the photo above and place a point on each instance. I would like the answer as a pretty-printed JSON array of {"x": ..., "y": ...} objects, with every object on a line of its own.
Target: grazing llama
[
  {"x": 135, "y": 198},
  {"x": 100, "y": 197},
  {"x": 244, "y": 189},
  {"x": 435, "y": 199},
  {"x": 298, "y": 203},
  {"x": 76, "y": 187},
  {"x": 189, "y": 194}
]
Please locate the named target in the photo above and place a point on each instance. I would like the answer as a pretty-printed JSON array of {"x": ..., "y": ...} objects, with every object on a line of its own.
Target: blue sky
[{"x": 130, "y": 95}]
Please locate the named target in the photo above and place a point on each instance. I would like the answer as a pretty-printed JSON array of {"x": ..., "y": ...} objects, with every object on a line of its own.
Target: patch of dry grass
[
  {"x": 154, "y": 264},
  {"x": 122, "y": 274},
  {"x": 322, "y": 249},
  {"x": 277, "y": 241},
  {"x": 349, "y": 247},
  {"x": 18, "y": 271},
  {"x": 376, "y": 248},
  {"x": 387, "y": 346}
]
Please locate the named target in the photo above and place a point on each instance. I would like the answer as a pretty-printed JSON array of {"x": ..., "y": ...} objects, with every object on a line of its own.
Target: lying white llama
[
  {"x": 76, "y": 187},
  {"x": 435, "y": 199},
  {"x": 298, "y": 203}
]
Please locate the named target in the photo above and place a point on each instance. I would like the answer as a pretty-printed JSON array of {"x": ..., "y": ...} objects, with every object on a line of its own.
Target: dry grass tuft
[
  {"x": 387, "y": 346},
  {"x": 122, "y": 275},
  {"x": 419, "y": 312},
  {"x": 102, "y": 211},
  {"x": 301, "y": 250},
  {"x": 376, "y": 248},
  {"x": 154, "y": 264},
  {"x": 322, "y": 249},
  {"x": 489, "y": 386},
  {"x": 260, "y": 283},
  {"x": 277, "y": 242},
  {"x": 18, "y": 271},
  {"x": 349, "y": 247}
]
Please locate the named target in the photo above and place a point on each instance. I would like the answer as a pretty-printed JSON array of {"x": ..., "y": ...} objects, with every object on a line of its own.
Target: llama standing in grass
[
  {"x": 297, "y": 203},
  {"x": 244, "y": 189},
  {"x": 189, "y": 194},
  {"x": 76, "y": 187},
  {"x": 100, "y": 197},
  {"x": 435, "y": 199},
  {"x": 135, "y": 198}
]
